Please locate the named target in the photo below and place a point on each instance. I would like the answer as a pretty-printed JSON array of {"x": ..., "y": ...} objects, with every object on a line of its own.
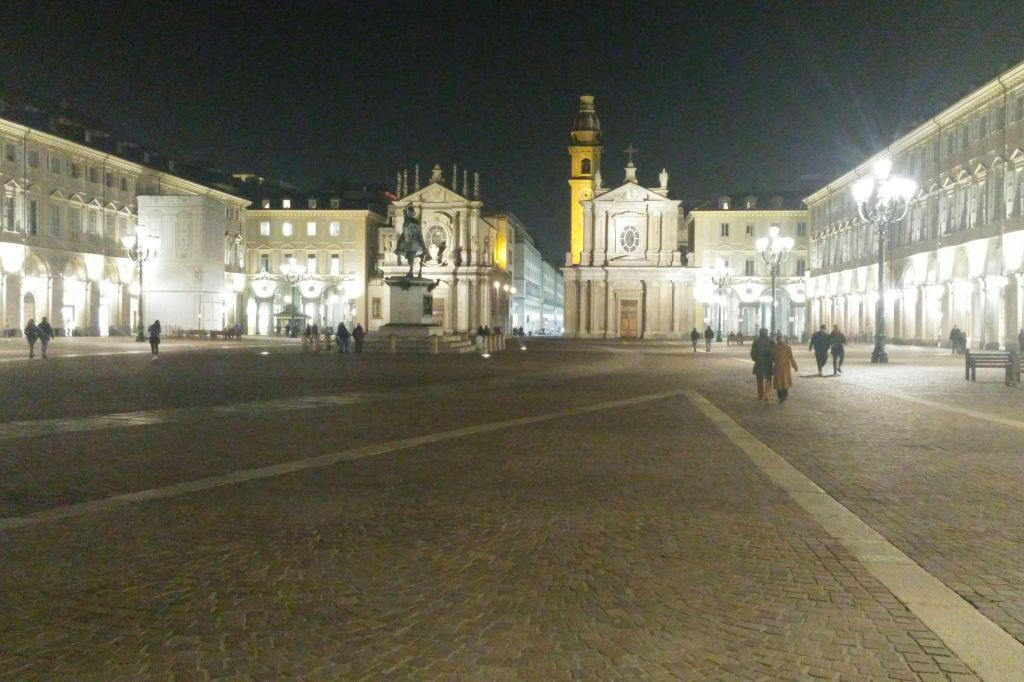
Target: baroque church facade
[{"x": 625, "y": 276}]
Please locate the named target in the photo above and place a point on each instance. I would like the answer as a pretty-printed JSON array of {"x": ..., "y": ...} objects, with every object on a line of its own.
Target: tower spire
[{"x": 585, "y": 154}]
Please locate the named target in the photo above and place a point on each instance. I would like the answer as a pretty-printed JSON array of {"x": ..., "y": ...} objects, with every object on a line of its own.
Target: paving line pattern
[
  {"x": 246, "y": 475},
  {"x": 988, "y": 649}
]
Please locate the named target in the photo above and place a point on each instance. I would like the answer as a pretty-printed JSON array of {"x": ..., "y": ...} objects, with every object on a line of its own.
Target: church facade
[{"x": 625, "y": 276}]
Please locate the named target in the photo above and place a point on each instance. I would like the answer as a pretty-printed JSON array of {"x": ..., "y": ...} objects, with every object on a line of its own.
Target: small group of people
[
  {"x": 343, "y": 335},
  {"x": 957, "y": 341},
  {"x": 41, "y": 332},
  {"x": 735, "y": 339},
  {"x": 485, "y": 330},
  {"x": 709, "y": 336},
  {"x": 773, "y": 362},
  {"x": 823, "y": 342}
]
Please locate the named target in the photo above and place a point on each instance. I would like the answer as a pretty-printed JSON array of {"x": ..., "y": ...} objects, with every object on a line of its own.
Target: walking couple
[
  {"x": 822, "y": 342},
  {"x": 773, "y": 362}
]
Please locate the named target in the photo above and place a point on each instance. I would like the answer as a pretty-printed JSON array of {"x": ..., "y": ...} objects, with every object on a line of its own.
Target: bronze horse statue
[{"x": 410, "y": 243}]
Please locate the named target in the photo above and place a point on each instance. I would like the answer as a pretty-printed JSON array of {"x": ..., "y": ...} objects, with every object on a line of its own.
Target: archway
[{"x": 28, "y": 307}]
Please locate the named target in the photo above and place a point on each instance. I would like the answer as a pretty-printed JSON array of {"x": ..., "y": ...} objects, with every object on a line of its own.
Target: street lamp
[
  {"x": 141, "y": 247},
  {"x": 292, "y": 273},
  {"x": 882, "y": 199},
  {"x": 720, "y": 276},
  {"x": 774, "y": 252}
]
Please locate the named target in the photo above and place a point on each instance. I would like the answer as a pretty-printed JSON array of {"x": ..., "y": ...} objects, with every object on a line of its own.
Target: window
[
  {"x": 1018, "y": 109},
  {"x": 750, "y": 230},
  {"x": 124, "y": 184},
  {"x": 335, "y": 264},
  {"x": 335, "y": 229},
  {"x": 93, "y": 223},
  {"x": 54, "y": 164},
  {"x": 311, "y": 263},
  {"x": 335, "y": 203},
  {"x": 288, "y": 258},
  {"x": 801, "y": 267},
  {"x": 629, "y": 239},
  {"x": 265, "y": 203},
  {"x": 801, "y": 229},
  {"x": 75, "y": 219},
  {"x": 10, "y": 152},
  {"x": 375, "y": 308},
  {"x": 33, "y": 158},
  {"x": 585, "y": 166},
  {"x": 264, "y": 228},
  {"x": 94, "y": 175},
  {"x": 982, "y": 127},
  {"x": 55, "y": 221},
  {"x": 723, "y": 230},
  {"x": 286, "y": 229},
  {"x": 8, "y": 213},
  {"x": 33, "y": 216},
  {"x": 286, "y": 203},
  {"x": 264, "y": 262},
  {"x": 748, "y": 267},
  {"x": 965, "y": 136},
  {"x": 108, "y": 225},
  {"x": 950, "y": 143},
  {"x": 311, "y": 203},
  {"x": 311, "y": 229},
  {"x": 75, "y": 170}
]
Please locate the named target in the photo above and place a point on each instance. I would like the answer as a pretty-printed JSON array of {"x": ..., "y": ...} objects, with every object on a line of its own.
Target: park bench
[{"x": 1008, "y": 361}]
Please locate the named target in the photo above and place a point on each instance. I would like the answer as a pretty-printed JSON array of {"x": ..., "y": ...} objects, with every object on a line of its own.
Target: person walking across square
[
  {"x": 837, "y": 341},
  {"x": 709, "y": 335},
  {"x": 782, "y": 361},
  {"x": 761, "y": 352},
  {"x": 359, "y": 335},
  {"x": 45, "y": 334},
  {"x": 694, "y": 338},
  {"x": 343, "y": 337},
  {"x": 31, "y": 335},
  {"x": 820, "y": 344}
]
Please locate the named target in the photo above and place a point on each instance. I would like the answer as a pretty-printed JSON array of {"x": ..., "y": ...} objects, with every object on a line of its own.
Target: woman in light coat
[{"x": 782, "y": 361}]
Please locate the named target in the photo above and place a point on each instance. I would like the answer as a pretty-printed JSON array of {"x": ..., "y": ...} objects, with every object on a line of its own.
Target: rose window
[
  {"x": 436, "y": 236},
  {"x": 629, "y": 238}
]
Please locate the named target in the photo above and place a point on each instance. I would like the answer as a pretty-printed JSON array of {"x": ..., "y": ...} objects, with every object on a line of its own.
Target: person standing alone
[
  {"x": 709, "y": 335},
  {"x": 820, "y": 344},
  {"x": 358, "y": 335},
  {"x": 837, "y": 340},
  {"x": 761, "y": 354},
  {"x": 694, "y": 338},
  {"x": 782, "y": 361},
  {"x": 343, "y": 337},
  {"x": 154, "y": 339}
]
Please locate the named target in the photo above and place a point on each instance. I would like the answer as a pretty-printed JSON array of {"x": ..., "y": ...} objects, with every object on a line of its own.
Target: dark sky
[{"x": 727, "y": 96}]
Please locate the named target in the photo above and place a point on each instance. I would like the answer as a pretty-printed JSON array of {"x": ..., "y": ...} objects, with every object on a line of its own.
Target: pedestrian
[
  {"x": 1020, "y": 341},
  {"x": 782, "y": 361},
  {"x": 761, "y": 354},
  {"x": 962, "y": 343},
  {"x": 31, "y": 335},
  {"x": 343, "y": 337},
  {"x": 694, "y": 337},
  {"x": 837, "y": 341},
  {"x": 154, "y": 338},
  {"x": 359, "y": 335},
  {"x": 954, "y": 340},
  {"x": 315, "y": 335},
  {"x": 45, "y": 334},
  {"x": 739, "y": 338},
  {"x": 708, "y": 336},
  {"x": 328, "y": 330},
  {"x": 731, "y": 339},
  {"x": 820, "y": 344}
]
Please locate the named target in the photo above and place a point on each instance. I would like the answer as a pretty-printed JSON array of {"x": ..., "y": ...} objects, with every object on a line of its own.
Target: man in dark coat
[
  {"x": 837, "y": 340},
  {"x": 45, "y": 334},
  {"x": 342, "y": 336},
  {"x": 694, "y": 338},
  {"x": 709, "y": 336},
  {"x": 954, "y": 340},
  {"x": 358, "y": 335},
  {"x": 761, "y": 351},
  {"x": 819, "y": 344}
]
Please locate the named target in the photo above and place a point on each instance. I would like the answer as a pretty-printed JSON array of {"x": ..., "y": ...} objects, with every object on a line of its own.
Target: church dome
[{"x": 586, "y": 122}]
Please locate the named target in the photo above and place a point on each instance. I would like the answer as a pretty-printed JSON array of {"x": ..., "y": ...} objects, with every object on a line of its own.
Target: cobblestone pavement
[{"x": 633, "y": 542}]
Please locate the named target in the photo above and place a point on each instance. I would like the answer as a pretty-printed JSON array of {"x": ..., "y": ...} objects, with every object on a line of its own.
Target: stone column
[{"x": 56, "y": 301}]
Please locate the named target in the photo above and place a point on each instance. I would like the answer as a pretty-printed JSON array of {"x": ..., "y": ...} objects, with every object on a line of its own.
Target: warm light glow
[
  {"x": 497, "y": 285},
  {"x": 882, "y": 168},
  {"x": 773, "y": 231},
  {"x": 485, "y": 355},
  {"x": 761, "y": 244},
  {"x": 862, "y": 189}
]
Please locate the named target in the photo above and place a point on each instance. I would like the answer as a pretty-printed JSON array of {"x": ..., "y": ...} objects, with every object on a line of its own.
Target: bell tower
[{"x": 585, "y": 154}]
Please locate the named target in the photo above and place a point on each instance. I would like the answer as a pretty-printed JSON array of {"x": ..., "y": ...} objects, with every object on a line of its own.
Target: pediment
[
  {"x": 435, "y": 193},
  {"x": 631, "y": 191}
]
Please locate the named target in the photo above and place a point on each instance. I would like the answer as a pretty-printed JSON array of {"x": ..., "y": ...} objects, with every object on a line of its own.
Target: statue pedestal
[{"x": 411, "y": 308}]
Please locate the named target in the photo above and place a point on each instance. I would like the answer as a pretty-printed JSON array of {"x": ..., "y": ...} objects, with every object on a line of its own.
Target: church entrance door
[{"x": 628, "y": 319}]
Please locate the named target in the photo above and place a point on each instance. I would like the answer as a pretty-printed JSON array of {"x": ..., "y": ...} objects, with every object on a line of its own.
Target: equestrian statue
[{"x": 410, "y": 243}]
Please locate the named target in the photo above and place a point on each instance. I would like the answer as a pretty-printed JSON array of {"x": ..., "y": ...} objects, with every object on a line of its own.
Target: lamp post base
[
  {"x": 719, "y": 337},
  {"x": 878, "y": 355}
]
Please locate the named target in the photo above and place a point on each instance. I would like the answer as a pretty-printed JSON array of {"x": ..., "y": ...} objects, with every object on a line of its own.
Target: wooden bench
[{"x": 1008, "y": 361}]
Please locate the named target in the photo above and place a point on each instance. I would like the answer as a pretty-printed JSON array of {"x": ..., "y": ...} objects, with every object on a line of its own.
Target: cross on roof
[{"x": 631, "y": 151}]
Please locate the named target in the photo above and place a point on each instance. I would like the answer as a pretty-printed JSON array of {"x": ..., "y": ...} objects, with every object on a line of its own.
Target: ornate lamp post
[
  {"x": 774, "y": 252},
  {"x": 720, "y": 276},
  {"x": 292, "y": 273},
  {"x": 882, "y": 199},
  {"x": 141, "y": 247}
]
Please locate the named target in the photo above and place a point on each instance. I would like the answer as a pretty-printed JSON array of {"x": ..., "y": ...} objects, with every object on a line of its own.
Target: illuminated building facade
[{"x": 957, "y": 258}]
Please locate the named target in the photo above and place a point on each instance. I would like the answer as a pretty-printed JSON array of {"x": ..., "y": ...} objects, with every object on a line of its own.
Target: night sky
[{"x": 727, "y": 96}]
